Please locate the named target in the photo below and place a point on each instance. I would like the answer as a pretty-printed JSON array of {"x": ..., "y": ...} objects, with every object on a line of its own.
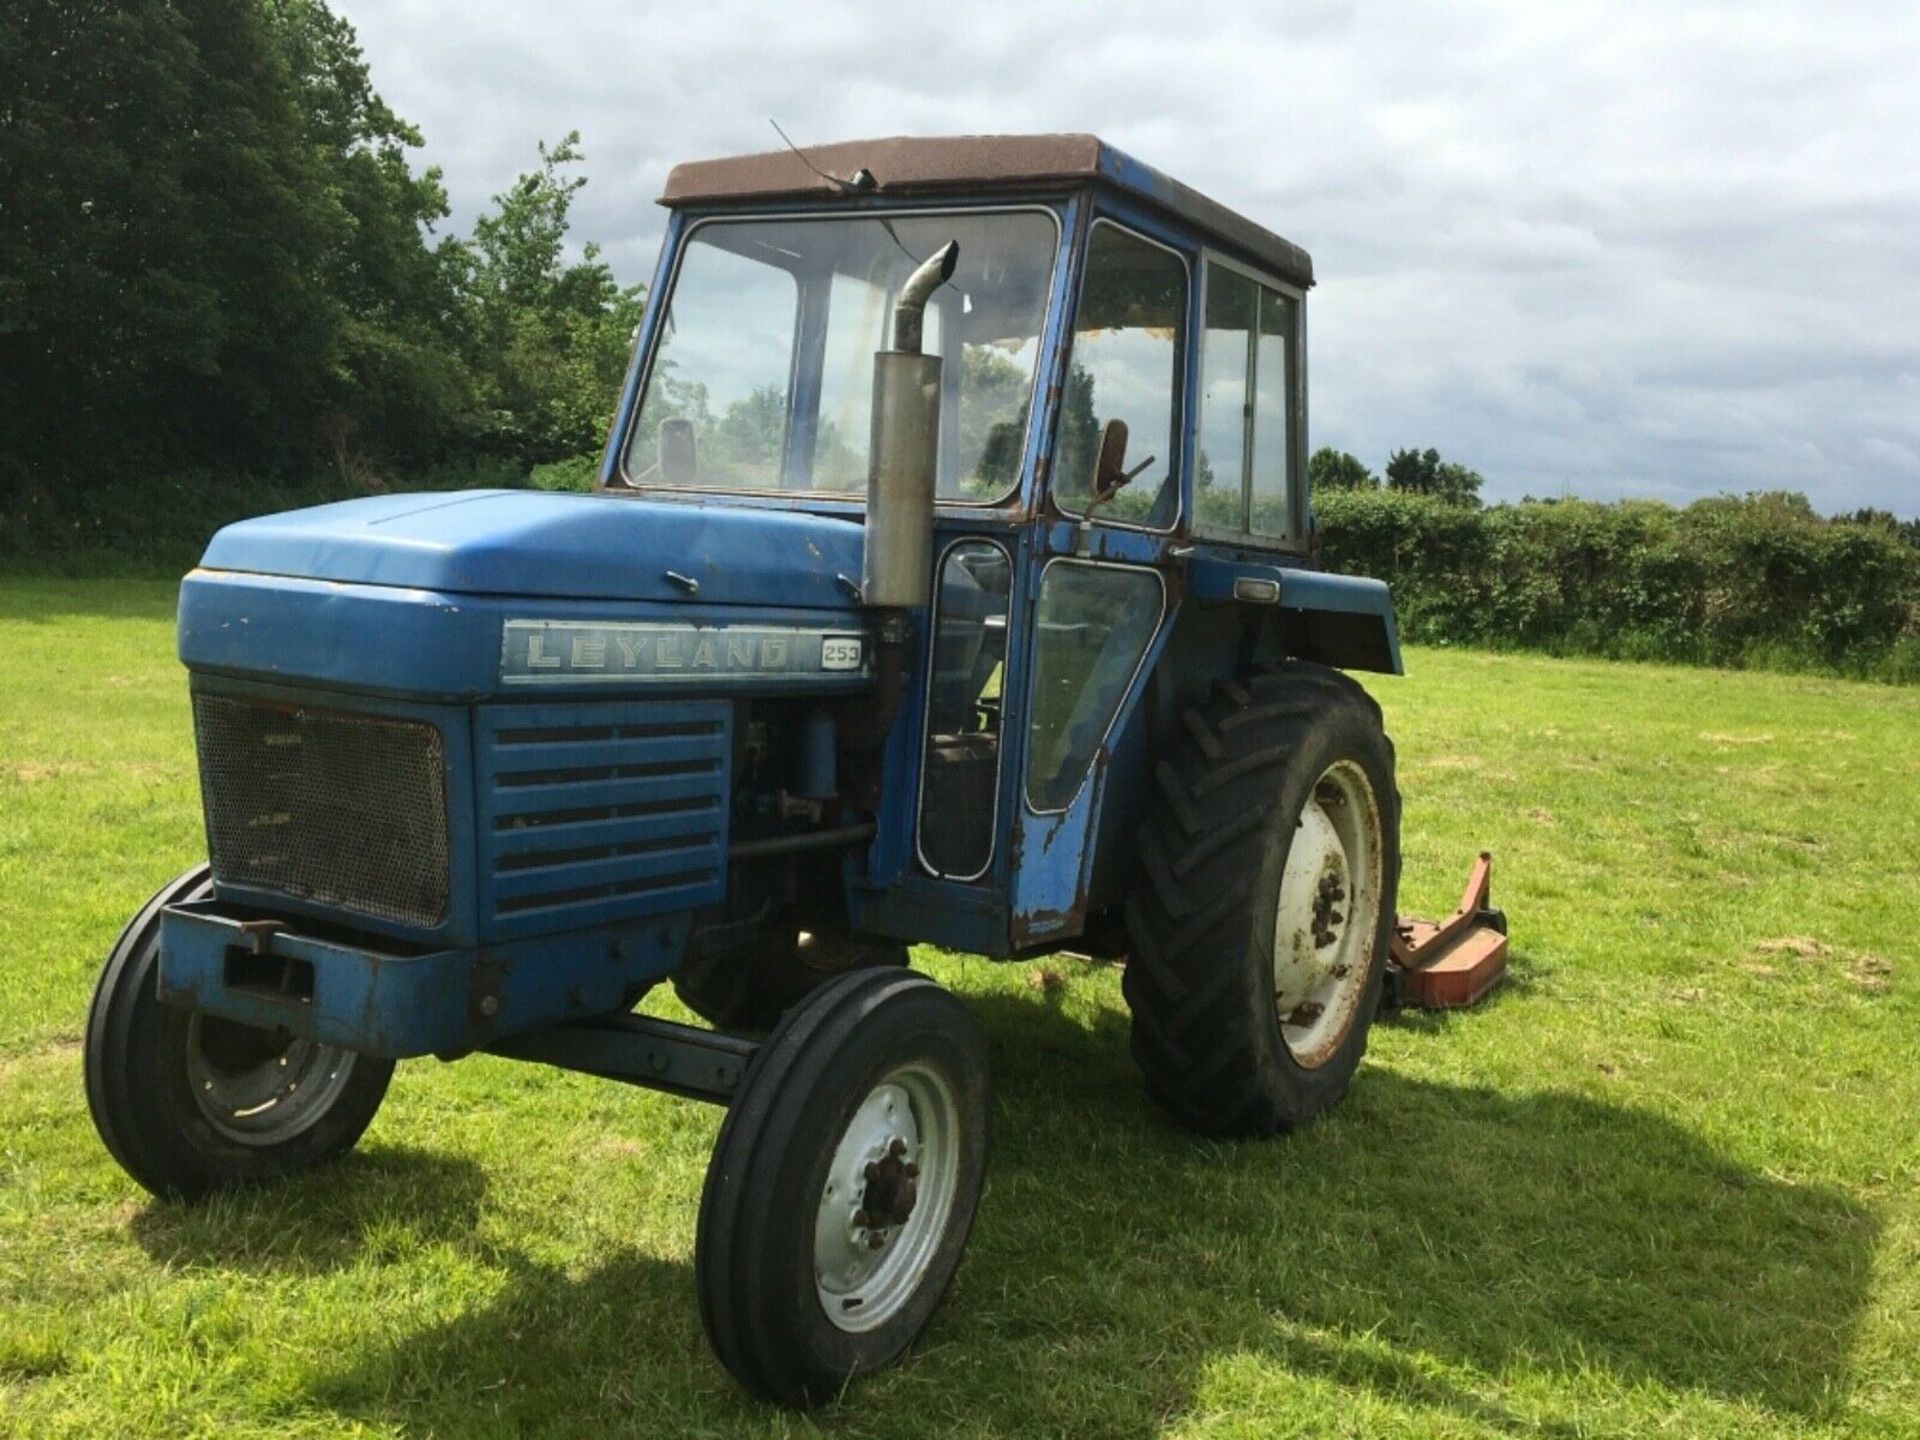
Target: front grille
[
  {"x": 592, "y": 814},
  {"x": 348, "y": 811}
]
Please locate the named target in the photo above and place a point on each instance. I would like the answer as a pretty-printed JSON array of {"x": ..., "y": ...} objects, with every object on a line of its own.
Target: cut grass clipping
[{"x": 1666, "y": 1183}]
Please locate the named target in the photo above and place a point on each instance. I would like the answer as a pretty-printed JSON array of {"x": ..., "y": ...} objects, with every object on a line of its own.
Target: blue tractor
[{"x": 950, "y": 579}]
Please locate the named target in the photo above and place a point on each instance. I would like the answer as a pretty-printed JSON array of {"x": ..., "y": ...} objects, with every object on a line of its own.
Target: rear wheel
[
  {"x": 189, "y": 1103},
  {"x": 843, "y": 1185},
  {"x": 1259, "y": 937}
]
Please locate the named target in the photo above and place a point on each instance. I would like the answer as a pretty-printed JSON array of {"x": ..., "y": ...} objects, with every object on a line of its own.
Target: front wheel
[
  {"x": 752, "y": 991},
  {"x": 843, "y": 1185},
  {"x": 1271, "y": 861},
  {"x": 189, "y": 1103}
]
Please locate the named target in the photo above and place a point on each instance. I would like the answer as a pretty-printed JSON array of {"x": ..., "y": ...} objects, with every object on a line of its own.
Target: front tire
[
  {"x": 189, "y": 1103},
  {"x": 1271, "y": 864},
  {"x": 843, "y": 1185},
  {"x": 752, "y": 991}
]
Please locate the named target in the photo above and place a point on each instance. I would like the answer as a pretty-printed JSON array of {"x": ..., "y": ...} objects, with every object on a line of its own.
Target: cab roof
[{"x": 910, "y": 165}]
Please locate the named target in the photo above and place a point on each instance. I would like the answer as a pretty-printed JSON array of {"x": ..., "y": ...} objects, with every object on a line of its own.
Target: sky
[{"x": 1602, "y": 249}]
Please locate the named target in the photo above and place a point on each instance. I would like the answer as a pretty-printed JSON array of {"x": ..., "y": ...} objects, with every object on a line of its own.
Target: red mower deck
[{"x": 1453, "y": 963}]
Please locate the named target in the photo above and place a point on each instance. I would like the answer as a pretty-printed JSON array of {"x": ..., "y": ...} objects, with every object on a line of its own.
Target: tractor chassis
[{"x": 640, "y": 1050}]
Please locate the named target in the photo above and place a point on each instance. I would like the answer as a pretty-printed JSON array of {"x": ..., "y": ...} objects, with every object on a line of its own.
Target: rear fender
[{"x": 1339, "y": 620}]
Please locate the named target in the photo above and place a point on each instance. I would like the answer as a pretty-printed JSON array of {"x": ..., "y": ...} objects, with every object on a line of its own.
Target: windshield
[{"x": 764, "y": 364}]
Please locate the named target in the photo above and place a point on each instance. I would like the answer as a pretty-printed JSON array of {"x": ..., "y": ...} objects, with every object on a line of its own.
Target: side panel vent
[{"x": 590, "y": 814}]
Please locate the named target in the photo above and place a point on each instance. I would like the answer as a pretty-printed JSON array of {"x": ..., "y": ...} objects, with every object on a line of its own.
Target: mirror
[
  {"x": 1110, "y": 473},
  {"x": 676, "y": 462},
  {"x": 1110, "y": 470}
]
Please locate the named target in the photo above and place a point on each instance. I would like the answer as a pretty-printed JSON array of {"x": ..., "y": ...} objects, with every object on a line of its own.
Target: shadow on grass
[
  {"x": 1424, "y": 1245},
  {"x": 383, "y": 1201}
]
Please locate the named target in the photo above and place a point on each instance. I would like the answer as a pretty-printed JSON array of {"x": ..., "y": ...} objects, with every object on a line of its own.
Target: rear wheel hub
[{"x": 1328, "y": 915}]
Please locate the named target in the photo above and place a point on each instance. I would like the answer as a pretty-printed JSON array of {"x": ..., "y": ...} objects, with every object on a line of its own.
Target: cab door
[{"x": 1096, "y": 601}]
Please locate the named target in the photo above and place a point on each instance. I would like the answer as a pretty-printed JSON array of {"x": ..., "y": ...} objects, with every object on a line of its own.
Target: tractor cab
[{"x": 1108, "y": 430}]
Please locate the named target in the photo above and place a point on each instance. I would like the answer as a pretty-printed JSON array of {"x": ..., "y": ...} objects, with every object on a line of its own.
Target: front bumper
[{"x": 244, "y": 965}]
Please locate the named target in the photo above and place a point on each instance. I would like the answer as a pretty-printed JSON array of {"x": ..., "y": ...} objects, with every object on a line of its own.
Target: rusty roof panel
[{"x": 905, "y": 165}]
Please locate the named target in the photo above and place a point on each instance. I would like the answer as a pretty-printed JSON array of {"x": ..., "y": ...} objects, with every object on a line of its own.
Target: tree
[
  {"x": 396, "y": 387},
  {"x": 1331, "y": 469},
  {"x": 212, "y": 248},
  {"x": 993, "y": 419},
  {"x": 160, "y": 236},
  {"x": 1422, "y": 472},
  {"x": 550, "y": 339},
  {"x": 1077, "y": 440},
  {"x": 215, "y": 253},
  {"x": 1907, "y": 530},
  {"x": 752, "y": 432}
]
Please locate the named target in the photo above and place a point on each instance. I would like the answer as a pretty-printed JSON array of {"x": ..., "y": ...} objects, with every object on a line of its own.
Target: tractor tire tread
[
  {"x": 766, "y": 1132},
  {"x": 1198, "y": 1034},
  {"x": 130, "y": 1051}
]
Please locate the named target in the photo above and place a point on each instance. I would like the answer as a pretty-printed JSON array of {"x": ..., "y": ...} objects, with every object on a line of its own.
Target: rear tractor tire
[
  {"x": 1270, "y": 865},
  {"x": 189, "y": 1103},
  {"x": 843, "y": 1185}
]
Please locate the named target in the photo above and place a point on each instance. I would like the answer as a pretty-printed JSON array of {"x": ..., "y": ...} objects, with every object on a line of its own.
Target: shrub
[{"x": 1756, "y": 580}]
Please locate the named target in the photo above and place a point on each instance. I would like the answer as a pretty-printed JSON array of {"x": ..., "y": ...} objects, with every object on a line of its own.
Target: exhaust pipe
[
  {"x": 911, "y": 307},
  {"x": 897, "y": 570}
]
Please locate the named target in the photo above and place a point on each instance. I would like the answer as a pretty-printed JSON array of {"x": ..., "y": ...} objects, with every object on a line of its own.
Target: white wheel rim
[
  {"x": 874, "y": 1238},
  {"x": 259, "y": 1089},
  {"x": 1328, "y": 914}
]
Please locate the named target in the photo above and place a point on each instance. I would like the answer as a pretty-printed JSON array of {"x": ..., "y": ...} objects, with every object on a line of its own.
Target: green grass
[{"x": 1666, "y": 1183}]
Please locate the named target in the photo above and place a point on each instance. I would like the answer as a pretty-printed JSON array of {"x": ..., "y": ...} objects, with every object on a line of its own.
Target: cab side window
[
  {"x": 960, "y": 780},
  {"x": 1092, "y": 627},
  {"x": 1247, "y": 473},
  {"x": 1129, "y": 352}
]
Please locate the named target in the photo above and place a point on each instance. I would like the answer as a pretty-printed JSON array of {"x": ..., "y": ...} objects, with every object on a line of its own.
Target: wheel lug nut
[
  {"x": 876, "y": 1240},
  {"x": 897, "y": 1148},
  {"x": 862, "y": 1219},
  {"x": 872, "y": 1171},
  {"x": 910, "y": 1170}
]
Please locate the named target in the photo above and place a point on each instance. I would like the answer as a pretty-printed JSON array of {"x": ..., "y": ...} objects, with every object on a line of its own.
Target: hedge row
[{"x": 1758, "y": 581}]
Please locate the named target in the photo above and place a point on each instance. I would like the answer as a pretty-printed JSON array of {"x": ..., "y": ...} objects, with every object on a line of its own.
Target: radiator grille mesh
[
  {"x": 338, "y": 809},
  {"x": 595, "y": 814}
]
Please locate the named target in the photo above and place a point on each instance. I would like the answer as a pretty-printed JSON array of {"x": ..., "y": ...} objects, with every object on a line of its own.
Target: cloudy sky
[{"x": 1599, "y": 248}]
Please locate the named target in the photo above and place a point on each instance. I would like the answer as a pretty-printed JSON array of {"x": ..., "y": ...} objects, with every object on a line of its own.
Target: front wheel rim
[
  {"x": 888, "y": 1198},
  {"x": 260, "y": 1087},
  {"x": 1327, "y": 919}
]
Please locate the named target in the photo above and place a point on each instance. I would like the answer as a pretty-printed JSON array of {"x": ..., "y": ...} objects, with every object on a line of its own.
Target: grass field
[{"x": 1666, "y": 1183}]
